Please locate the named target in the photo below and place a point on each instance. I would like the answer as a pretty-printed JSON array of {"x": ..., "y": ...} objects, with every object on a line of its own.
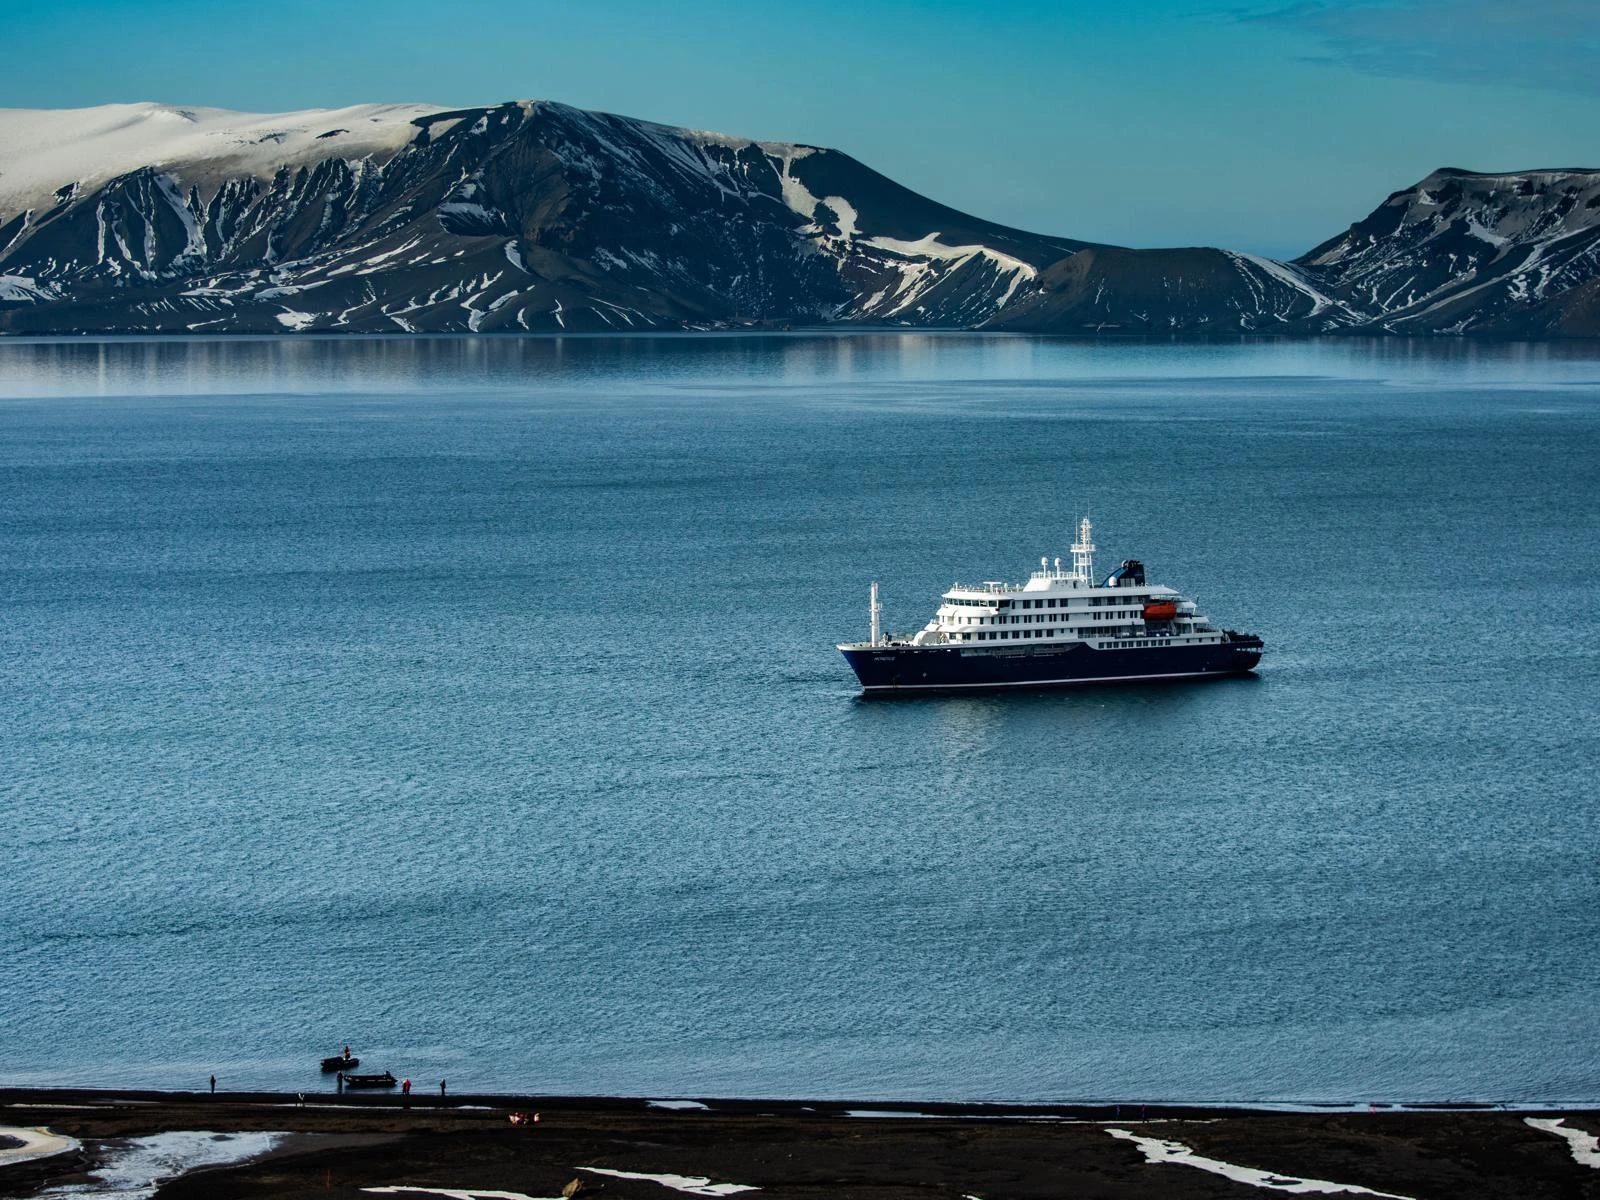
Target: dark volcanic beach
[{"x": 467, "y": 1147}]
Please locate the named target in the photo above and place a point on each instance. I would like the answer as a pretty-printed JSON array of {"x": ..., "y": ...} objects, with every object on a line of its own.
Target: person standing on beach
[
  {"x": 213, "y": 1085},
  {"x": 441, "y": 1088}
]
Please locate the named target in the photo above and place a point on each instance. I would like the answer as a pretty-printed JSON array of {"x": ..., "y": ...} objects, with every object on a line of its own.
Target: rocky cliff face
[{"x": 537, "y": 216}]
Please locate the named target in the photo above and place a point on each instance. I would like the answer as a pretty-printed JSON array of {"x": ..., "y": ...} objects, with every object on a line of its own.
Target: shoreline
[
  {"x": 858, "y": 1108},
  {"x": 1087, "y": 337},
  {"x": 644, "y": 1149}
]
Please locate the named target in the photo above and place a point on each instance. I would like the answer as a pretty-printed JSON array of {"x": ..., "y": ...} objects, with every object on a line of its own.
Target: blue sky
[{"x": 1264, "y": 127}]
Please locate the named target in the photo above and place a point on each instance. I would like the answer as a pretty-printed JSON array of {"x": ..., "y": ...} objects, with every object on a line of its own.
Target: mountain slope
[
  {"x": 537, "y": 216},
  {"x": 519, "y": 216},
  {"x": 1108, "y": 289},
  {"x": 1460, "y": 252}
]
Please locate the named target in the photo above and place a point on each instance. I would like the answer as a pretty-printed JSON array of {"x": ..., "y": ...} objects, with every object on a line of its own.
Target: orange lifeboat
[{"x": 1160, "y": 610}]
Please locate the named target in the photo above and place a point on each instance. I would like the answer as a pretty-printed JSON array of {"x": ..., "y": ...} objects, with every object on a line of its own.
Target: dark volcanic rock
[{"x": 1109, "y": 289}]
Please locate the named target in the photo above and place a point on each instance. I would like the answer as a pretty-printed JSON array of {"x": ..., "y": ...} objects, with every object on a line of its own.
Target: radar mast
[{"x": 1083, "y": 555}]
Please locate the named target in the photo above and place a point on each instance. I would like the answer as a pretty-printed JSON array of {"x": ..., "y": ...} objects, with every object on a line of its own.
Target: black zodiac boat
[{"x": 386, "y": 1080}]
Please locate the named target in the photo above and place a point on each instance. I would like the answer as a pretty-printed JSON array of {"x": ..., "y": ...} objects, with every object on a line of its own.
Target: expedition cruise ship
[{"x": 1059, "y": 628}]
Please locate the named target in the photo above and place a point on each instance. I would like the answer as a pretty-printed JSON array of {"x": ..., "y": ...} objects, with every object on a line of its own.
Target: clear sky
[{"x": 1264, "y": 127}]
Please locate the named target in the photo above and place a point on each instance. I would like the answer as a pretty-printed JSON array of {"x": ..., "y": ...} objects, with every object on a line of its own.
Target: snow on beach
[
  {"x": 138, "y": 1166},
  {"x": 1157, "y": 1150},
  {"x": 1585, "y": 1146},
  {"x": 694, "y": 1185},
  {"x": 36, "y": 1142},
  {"x": 455, "y": 1193}
]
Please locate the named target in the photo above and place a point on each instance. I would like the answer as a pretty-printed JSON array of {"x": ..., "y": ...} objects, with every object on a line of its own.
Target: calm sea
[{"x": 474, "y": 702}]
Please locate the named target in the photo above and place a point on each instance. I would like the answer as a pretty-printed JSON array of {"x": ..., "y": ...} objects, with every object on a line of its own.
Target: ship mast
[
  {"x": 1083, "y": 555},
  {"x": 876, "y": 610}
]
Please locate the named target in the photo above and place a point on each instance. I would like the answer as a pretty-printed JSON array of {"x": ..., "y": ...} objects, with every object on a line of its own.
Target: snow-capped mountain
[
  {"x": 538, "y": 216},
  {"x": 1467, "y": 253},
  {"x": 526, "y": 215}
]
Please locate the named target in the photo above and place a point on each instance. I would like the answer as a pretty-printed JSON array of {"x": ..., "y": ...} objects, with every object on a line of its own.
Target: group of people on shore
[{"x": 349, "y": 1059}]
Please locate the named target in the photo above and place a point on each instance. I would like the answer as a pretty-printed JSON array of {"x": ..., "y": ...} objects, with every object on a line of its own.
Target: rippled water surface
[{"x": 474, "y": 701}]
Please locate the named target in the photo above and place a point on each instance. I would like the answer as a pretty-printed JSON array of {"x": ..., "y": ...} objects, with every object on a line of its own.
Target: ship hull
[{"x": 910, "y": 670}]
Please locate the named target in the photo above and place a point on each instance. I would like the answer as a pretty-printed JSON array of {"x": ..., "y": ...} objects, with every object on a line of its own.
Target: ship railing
[{"x": 991, "y": 589}]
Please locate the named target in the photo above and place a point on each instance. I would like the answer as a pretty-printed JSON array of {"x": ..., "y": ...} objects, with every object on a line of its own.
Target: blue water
[{"x": 474, "y": 701}]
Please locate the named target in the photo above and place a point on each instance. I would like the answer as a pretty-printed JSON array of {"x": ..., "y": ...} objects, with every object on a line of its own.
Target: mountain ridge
[{"x": 537, "y": 216}]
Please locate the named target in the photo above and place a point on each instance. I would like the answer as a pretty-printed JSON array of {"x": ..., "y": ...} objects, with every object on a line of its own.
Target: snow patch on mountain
[
  {"x": 20, "y": 289},
  {"x": 1286, "y": 274}
]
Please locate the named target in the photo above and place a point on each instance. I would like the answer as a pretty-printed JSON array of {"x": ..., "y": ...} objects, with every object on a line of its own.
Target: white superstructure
[{"x": 1061, "y": 606}]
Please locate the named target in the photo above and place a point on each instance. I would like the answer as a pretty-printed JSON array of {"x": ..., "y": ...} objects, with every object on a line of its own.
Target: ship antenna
[
  {"x": 876, "y": 610},
  {"x": 1083, "y": 555}
]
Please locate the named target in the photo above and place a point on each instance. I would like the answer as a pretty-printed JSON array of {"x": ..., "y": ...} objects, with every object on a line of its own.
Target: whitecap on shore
[{"x": 1158, "y": 1151}]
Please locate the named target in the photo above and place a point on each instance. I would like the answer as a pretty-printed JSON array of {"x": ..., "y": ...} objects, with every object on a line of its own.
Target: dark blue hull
[{"x": 917, "y": 669}]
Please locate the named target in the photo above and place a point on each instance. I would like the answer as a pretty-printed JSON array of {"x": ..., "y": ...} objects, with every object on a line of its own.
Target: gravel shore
[{"x": 467, "y": 1147}]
